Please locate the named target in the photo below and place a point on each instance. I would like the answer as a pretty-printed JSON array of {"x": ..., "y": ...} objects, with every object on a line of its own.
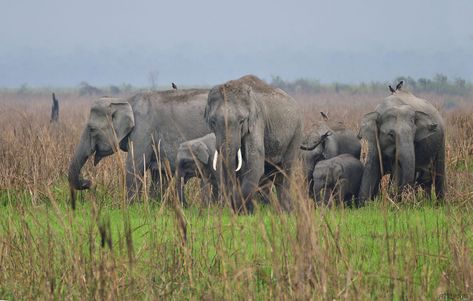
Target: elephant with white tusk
[
  {"x": 149, "y": 126},
  {"x": 253, "y": 123},
  {"x": 406, "y": 138}
]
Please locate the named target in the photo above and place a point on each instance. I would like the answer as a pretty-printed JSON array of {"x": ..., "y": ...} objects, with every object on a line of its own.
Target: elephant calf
[
  {"x": 325, "y": 143},
  {"x": 340, "y": 176},
  {"x": 193, "y": 160}
]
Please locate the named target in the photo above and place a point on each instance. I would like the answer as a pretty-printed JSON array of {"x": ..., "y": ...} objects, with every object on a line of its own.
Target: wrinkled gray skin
[
  {"x": 325, "y": 143},
  {"x": 194, "y": 159},
  {"x": 143, "y": 123},
  {"x": 339, "y": 176},
  {"x": 264, "y": 123},
  {"x": 411, "y": 136}
]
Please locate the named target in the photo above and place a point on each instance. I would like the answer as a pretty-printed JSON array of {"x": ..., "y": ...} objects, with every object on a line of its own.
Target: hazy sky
[{"x": 204, "y": 42}]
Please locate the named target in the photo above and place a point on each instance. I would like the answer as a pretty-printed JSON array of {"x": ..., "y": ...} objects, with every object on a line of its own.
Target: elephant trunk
[
  {"x": 83, "y": 151},
  {"x": 228, "y": 163},
  {"x": 405, "y": 154},
  {"x": 180, "y": 182}
]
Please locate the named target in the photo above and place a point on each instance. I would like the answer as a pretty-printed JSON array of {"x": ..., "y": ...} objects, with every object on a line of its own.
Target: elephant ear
[
  {"x": 201, "y": 152},
  {"x": 368, "y": 126},
  {"x": 122, "y": 118},
  {"x": 425, "y": 126}
]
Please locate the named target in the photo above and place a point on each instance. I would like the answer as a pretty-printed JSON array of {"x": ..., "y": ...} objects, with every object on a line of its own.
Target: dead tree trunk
[{"x": 55, "y": 110}]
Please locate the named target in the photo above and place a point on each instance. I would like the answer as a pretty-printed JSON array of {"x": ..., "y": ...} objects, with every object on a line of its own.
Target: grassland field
[{"x": 412, "y": 249}]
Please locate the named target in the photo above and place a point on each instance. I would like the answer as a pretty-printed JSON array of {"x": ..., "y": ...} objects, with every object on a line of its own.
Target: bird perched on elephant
[
  {"x": 253, "y": 123},
  {"x": 339, "y": 176},
  {"x": 323, "y": 143},
  {"x": 194, "y": 159},
  {"x": 406, "y": 138},
  {"x": 149, "y": 126}
]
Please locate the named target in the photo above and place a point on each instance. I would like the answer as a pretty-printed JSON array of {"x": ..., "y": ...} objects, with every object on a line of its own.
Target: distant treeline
[
  {"x": 83, "y": 89},
  {"x": 439, "y": 84}
]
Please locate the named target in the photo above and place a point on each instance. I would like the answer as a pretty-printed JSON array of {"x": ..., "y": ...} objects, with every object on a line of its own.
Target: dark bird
[
  {"x": 324, "y": 116},
  {"x": 392, "y": 89},
  {"x": 174, "y": 86},
  {"x": 399, "y": 86}
]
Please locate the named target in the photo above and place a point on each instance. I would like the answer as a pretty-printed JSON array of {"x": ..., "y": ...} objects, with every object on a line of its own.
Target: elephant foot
[
  {"x": 243, "y": 207},
  {"x": 84, "y": 184}
]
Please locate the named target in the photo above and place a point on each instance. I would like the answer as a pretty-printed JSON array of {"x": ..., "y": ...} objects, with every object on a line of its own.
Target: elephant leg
[
  {"x": 156, "y": 188},
  {"x": 206, "y": 190},
  {"x": 317, "y": 194},
  {"x": 136, "y": 162},
  {"x": 243, "y": 199},
  {"x": 288, "y": 163},
  {"x": 440, "y": 175},
  {"x": 328, "y": 197},
  {"x": 310, "y": 184},
  {"x": 215, "y": 192},
  {"x": 180, "y": 188},
  {"x": 266, "y": 185},
  {"x": 425, "y": 181},
  {"x": 344, "y": 196}
]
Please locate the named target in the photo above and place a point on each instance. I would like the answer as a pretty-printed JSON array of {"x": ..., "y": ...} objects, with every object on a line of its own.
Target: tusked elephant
[
  {"x": 253, "y": 123},
  {"x": 406, "y": 138},
  {"x": 194, "y": 159},
  {"x": 324, "y": 143},
  {"x": 149, "y": 125},
  {"x": 339, "y": 176}
]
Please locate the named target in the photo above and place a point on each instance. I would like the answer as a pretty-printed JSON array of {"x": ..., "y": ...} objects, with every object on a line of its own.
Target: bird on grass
[{"x": 174, "y": 86}]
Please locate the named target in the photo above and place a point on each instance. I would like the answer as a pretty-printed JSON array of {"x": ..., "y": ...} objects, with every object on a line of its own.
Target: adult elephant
[
  {"x": 149, "y": 125},
  {"x": 253, "y": 123},
  {"x": 406, "y": 138},
  {"x": 324, "y": 143}
]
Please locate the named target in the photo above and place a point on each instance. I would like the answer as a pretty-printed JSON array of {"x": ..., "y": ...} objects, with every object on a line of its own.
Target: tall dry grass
[{"x": 108, "y": 251}]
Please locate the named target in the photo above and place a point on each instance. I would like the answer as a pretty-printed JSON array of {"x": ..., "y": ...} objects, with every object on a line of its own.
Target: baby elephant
[
  {"x": 194, "y": 160},
  {"x": 340, "y": 176}
]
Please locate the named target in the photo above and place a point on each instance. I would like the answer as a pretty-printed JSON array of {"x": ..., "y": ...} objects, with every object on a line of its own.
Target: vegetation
[
  {"x": 106, "y": 249},
  {"x": 439, "y": 84}
]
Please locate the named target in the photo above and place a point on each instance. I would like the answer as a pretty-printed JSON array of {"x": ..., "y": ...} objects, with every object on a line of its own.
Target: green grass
[{"x": 104, "y": 251}]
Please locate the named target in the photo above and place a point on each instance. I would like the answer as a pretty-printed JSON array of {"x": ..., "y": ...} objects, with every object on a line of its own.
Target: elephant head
[
  {"x": 110, "y": 121},
  {"x": 232, "y": 114},
  {"x": 391, "y": 137},
  {"x": 326, "y": 177},
  {"x": 192, "y": 157}
]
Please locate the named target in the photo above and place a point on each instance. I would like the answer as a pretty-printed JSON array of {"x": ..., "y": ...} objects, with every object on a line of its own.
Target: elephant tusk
[
  {"x": 240, "y": 160},
  {"x": 214, "y": 162}
]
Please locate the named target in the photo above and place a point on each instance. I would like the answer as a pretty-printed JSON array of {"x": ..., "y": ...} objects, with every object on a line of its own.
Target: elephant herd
[{"x": 245, "y": 136}]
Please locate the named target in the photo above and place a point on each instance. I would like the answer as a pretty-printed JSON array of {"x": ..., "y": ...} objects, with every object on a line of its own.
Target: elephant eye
[
  {"x": 212, "y": 124},
  {"x": 241, "y": 121},
  {"x": 391, "y": 134}
]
